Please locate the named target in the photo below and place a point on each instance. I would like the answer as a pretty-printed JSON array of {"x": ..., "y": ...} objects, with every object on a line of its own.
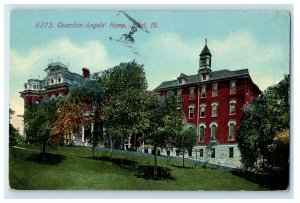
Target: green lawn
[{"x": 71, "y": 168}]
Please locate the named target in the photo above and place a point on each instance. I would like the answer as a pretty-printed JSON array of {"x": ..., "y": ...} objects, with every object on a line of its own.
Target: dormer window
[
  {"x": 25, "y": 86},
  {"x": 59, "y": 80},
  {"x": 52, "y": 81},
  {"x": 182, "y": 79},
  {"x": 34, "y": 86},
  {"x": 204, "y": 77}
]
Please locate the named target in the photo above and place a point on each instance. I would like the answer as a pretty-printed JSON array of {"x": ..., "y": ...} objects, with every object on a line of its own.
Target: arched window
[
  {"x": 59, "y": 80},
  {"x": 214, "y": 90},
  {"x": 231, "y": 125},
  {"x": 34, "y": 86},
  {"x": 232, "y": 107},
  {"x": 213, "y": 131},
  {"x": 52, "y": 81},
  {"x": 25, "y": 86},
  {"x": 203, "y": 91},
  {"x": 202, "y": 110},
  {"x": 214, "y": 107},
  {"x": 192, "y": 93},
  {"x": 232, "y": 87},
  {"x": 191, "y": 111},
  {"x": 201, "y": 132}
]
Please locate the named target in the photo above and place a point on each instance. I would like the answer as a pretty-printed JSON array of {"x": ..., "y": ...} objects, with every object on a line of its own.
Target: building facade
[
  {"x": 56, "y": 84},
  {"x": 212, "y": 104}
]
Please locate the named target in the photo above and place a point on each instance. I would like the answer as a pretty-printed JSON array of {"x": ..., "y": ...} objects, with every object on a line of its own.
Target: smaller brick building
[{"x": 212, "y": 103}]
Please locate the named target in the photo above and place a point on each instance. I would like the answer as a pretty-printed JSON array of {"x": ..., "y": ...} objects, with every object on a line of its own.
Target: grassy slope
[{"x": 77, "y": 171}]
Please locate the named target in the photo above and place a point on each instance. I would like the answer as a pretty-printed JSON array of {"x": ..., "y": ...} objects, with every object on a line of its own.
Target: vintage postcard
[{"x": 149, "y": 100}]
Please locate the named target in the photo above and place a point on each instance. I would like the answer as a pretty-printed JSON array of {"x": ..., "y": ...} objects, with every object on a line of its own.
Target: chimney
[{"x": 85, "y": 72}]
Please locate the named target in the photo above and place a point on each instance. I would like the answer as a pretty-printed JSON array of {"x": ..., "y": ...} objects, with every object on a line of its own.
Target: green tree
[
  {"x": 262, "y": 120},
  {"x": 121, "y": 88},
  {"x": 89, "y": 94},
  {"x": 162, "y": 121},
  {"x": 185, "y": 140},
  {"x": 81, "y": 107},
  {"x": 280, "y": 151},
  {"x": 69, "y": 119},
  {"x": 254, "y": 132},
  {"x": 38, "y": 119},
  {"x": 13, "y": 132}
]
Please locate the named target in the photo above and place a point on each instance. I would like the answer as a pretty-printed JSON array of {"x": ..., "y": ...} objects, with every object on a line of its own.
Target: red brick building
[
  {"x": 56, "y": 84},
  {"x": 212, "y": 103}
]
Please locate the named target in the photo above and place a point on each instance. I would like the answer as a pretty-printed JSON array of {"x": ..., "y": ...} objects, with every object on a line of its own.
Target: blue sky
[{"x": 258, "y": 41}]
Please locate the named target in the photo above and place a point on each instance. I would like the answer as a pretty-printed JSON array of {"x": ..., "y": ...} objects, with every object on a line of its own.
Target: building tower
[{"x": 205, "y": 63}]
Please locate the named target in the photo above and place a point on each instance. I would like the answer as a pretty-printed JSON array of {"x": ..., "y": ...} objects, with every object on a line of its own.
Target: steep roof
[
  {"x": 205, "y": 51},
  {"x": 216, "y": 75},
  {"x": 182, "y": 76}
]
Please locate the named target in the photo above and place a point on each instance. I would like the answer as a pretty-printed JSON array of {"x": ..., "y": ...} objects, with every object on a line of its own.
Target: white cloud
[
  {"x": 266, "y": 62},
  {"x": 238, "y": 50},
  {"x": 32, "y": 63},
  {"x": 165, "y": 56}
]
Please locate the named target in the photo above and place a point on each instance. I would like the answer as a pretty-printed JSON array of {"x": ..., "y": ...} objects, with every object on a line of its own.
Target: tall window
[
  {"x": 191, "y": 112},
  {"x": 230, "y": 152},
  {"x": 192, "y": 93},
  {"x": 202, "y": 61},
  {"x": 203, "y": 91},
  {"x": 201, "y": 133},
  {"x": 214, "y": 107},
  {"x": 201, "y": 152},
  {"x": 231, "y": 125},
  {"x": 59, "y": 79},
  {"x": 202, "y": 111},
  {"x": 214, "y": 90},
  {"x": 213, "y": 129},
  {"x": 232, "y": 87},
  {"x": 232, "y": 107},
  {"x": 213, "y": 153}
]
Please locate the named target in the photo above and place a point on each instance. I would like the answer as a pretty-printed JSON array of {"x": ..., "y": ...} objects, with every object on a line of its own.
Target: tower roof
[{"x": 205, "y": 50}]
